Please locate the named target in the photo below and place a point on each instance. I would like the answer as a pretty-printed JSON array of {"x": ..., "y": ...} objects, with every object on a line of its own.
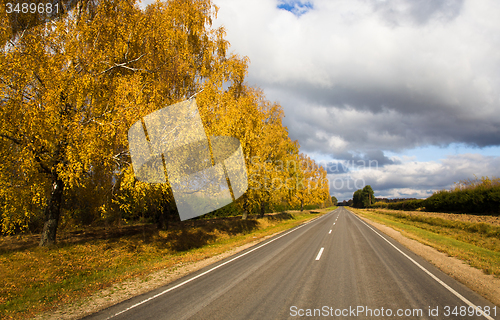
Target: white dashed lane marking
[{"x": 320, "y": 253}]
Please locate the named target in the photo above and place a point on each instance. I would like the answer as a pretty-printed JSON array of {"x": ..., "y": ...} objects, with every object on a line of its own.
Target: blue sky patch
[{"x": 298, "y": 8}]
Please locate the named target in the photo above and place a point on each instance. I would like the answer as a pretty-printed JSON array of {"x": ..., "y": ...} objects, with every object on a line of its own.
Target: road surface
[{"x": 335, "y": 266}]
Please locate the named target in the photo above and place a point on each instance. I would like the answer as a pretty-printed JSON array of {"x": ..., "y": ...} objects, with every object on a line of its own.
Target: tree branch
[
  {"x": 16, "y": 141},
  {"x": 35, "y": 154},
  {"x": 38, "y": 78},
  {"x": 124, "y": 65}
]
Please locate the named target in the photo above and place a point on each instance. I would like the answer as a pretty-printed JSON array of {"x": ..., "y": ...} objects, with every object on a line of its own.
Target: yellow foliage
[{"x": 70, "y": 90}]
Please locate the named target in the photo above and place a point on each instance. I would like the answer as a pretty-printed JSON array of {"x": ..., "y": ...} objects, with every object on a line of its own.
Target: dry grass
[
  {"x": 493, "y": 220},
  {"x": 36, "y": 279}
]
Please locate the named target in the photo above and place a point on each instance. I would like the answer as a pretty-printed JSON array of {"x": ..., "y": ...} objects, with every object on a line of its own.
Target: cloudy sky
[{"x": 402, "y": 95}]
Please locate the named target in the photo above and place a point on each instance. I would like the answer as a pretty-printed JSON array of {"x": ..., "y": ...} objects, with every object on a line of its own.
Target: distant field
[
  {"x": 37, "y": 279},
  {"x": 471, "y": 238}
]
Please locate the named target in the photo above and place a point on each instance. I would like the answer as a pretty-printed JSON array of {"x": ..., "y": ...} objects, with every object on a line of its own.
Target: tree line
[
  {"x": 471, "y": 196},
  {"x": 72, "y": 87}
]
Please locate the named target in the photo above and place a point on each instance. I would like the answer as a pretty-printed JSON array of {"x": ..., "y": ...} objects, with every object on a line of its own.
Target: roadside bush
[
  {"x": 407, "y": 205},
  {"x": 379, "y": 205},
  {"x": 481, "y": 198},
  {"x": 311, "y": 207}
]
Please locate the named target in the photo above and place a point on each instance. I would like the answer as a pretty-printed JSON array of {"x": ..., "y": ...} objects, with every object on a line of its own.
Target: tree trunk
[
  {"x": 301, "y": 204},
  {"x": 165, "y": 216},
  {"x": 245, "y": 209},
  {"x": 162, "y": 223},
  {"x": 52, "y": 213},
  {"x": 262, "y": 209}
]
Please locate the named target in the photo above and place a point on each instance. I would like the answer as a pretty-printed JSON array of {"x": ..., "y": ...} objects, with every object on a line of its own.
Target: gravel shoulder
[{"x": 486, "y": 285}]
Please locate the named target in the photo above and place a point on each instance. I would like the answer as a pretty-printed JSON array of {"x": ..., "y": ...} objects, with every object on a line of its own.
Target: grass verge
[
  {"x": 478, "y": 244},
  {"x": 35, "y": 280}
]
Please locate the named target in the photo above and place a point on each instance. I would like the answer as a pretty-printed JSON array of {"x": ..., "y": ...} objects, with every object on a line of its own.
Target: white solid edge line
[
  {"x": 458, "y": 295},
  {"x": 320, "y": 253},
  {"x": 210, "y": 270}
]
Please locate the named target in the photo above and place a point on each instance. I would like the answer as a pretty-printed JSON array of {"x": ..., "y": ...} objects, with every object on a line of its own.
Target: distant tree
[
  {"x": 357, "y": 199},
  {"x": 334, "y": 201},
  {"x": 362, "y": 198},
  {"x": 368, "y": 196}
]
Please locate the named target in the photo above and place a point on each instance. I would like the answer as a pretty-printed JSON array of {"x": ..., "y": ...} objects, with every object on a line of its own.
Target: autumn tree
[
  {"x": 269, "y": 150},
  {"x": 243, "y": 112},
  {"x": 311, "y": 183},
  {"x": 71, "y": 88}
]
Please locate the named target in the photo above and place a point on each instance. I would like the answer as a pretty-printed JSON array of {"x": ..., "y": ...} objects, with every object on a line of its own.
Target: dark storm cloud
[
  {"x": 386, "y": 121},
  {"x": 335, "y": 167},
  {"x": 348, "y": 161},
  {"x": 375, "y": 157},
  {"x": 372, "y": 97}
]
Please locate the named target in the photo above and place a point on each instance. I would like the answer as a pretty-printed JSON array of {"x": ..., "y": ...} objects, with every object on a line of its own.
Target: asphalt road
[{"x": 335, "y": 266}]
